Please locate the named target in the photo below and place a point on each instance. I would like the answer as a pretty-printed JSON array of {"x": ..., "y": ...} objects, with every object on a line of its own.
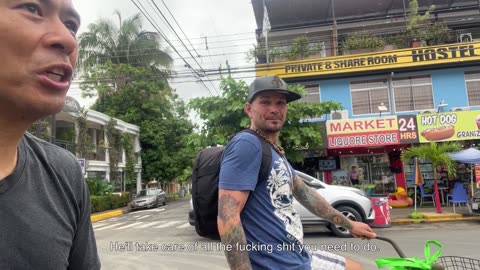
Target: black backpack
[{"x": 206, "y": 170}]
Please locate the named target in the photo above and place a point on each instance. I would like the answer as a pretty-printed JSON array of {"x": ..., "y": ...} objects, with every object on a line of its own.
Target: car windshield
[{"x": 148, "y": 192}]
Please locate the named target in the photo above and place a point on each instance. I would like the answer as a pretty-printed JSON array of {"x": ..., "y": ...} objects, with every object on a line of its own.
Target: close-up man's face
[
  {"x": 268, "y": 111},
  {"x": 38, "y": 50}
]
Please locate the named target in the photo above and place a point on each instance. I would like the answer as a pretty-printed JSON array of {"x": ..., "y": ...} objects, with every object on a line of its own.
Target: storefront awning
[{"x": 469, "y": 156}]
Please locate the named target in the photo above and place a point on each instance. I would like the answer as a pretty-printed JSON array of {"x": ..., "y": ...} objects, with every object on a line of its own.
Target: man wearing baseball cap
[{"x": 256, "y": 220}]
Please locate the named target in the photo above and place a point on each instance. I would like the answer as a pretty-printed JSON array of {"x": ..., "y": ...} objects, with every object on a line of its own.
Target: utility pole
[{"x": 228, "y": 68}]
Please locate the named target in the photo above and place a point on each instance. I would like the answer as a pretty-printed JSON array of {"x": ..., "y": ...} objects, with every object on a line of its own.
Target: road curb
[
  {"x": 106, "y": 215},
  {"x": 403, "y": 221}
]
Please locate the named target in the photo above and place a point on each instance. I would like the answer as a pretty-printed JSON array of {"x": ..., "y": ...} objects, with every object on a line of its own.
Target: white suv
[{"x": 352, "y": 202}]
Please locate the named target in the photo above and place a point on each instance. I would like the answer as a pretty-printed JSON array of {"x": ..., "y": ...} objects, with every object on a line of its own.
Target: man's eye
[
  {"x": 32, "y": 8},
  {"x": 73, "y": 27}
]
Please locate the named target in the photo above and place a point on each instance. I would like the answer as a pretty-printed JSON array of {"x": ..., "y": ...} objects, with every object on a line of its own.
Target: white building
[{"x": 97, "y": 161}]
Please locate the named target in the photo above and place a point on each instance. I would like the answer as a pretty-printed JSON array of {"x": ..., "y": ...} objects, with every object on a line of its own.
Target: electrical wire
[{"x": 155, "y": 26}]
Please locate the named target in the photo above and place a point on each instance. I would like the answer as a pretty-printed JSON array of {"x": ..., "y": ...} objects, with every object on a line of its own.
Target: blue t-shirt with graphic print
[{"x": 272, "y": 227}]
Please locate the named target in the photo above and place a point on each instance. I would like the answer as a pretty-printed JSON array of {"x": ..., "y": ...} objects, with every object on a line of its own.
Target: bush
[
  {"x": 362, "y": 40},
  {"x": 98, "y": 186},
  {"x": 108, "y": 202}
]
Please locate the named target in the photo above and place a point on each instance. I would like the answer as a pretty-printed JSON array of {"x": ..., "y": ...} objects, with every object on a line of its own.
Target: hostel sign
[{"x": 389, "y": 60}]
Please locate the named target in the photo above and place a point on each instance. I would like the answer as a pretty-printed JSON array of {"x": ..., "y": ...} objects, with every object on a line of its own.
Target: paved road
[{"x": 162, "y": 239}]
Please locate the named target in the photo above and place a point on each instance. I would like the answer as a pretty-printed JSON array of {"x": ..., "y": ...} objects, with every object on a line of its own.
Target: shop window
[
  {"x": 413, "y": 93},
  {"x": 313, "y": 94},
  {"x": 472, "y": 80},
  {"x": 368, "y": 95}
]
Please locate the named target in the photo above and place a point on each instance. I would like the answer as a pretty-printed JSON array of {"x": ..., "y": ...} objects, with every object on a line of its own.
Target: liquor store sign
[
  {"x": 363, "y": 132},
  {"x": 366, "y": 132}
]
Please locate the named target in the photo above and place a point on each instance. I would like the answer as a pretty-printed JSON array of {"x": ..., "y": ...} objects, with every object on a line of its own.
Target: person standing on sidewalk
[
  {"x": 44, "y": 201},
  {"x": 256, "y": 220}
]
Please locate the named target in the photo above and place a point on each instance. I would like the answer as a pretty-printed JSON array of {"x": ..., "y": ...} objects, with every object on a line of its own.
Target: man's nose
[{"x": 60, "y": 38}]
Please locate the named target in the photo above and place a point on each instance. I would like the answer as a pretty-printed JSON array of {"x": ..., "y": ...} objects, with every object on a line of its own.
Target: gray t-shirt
[{"x": 45, "y": 211}]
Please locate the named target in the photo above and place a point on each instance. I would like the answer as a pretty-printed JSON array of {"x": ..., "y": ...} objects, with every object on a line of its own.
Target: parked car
[
  {"x": 354, "y": 203},
  {"x": 148, "y": 198}
]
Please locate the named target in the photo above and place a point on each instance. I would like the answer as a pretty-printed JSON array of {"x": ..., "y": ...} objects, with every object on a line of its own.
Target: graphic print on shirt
[{"x": 278, "y": 185}]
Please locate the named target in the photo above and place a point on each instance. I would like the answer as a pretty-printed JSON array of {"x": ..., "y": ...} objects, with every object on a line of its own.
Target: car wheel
[
  {"x": 351, "y": 214},
  {"x": 165, "y": 202}
]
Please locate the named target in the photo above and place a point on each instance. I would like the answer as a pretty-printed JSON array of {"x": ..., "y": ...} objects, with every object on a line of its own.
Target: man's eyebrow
[
  {"x": 70, "y": 11},
  {"x": 73, "y": 13}
]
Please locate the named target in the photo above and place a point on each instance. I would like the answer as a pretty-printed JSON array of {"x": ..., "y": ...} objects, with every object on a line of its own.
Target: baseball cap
[{"x": 271, "y": 83}]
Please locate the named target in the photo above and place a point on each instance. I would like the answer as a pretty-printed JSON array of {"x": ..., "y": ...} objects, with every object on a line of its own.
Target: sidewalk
[{"x": 401, "y": 215}]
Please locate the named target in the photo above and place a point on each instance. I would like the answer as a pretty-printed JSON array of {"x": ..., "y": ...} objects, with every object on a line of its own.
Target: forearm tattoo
[
  {"x": 232, "y": 233},
  {"x": 316, "y": 204}
]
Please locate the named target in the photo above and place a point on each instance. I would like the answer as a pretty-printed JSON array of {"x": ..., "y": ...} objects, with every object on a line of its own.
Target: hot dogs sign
[
  {"x": 403, "y": 129},
  {"x": 451, "y": 126}
]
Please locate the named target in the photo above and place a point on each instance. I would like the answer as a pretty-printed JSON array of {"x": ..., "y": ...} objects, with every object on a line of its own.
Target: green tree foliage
[
  {"x": 437, "y": 153},
  {"x": 122, "y": 43},
  {"x": 224, "y": 116},
  {"x": 147, "y": 101}
]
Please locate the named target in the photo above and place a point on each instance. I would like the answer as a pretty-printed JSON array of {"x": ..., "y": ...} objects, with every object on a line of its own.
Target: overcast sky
[{"x": 228, "y": 25}]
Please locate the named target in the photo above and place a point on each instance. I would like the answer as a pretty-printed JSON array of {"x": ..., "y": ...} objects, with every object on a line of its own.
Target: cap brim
[{"x": 290, "y": 95}]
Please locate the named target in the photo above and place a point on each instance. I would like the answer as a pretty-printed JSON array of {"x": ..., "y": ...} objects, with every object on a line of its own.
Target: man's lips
[
  {"x": 56, "y": 77},
  {"x": 58, "y": 72}
]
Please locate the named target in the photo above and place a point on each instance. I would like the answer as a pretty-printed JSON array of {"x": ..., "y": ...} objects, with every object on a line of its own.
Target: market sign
[
  {"x": 449, "y": 126},
  {"x": 363, "y": 132},
  {"x": 388, "y": 60}
]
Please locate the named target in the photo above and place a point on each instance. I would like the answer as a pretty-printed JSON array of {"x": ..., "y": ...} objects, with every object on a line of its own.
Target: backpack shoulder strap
[{"x": 266, "y": 156}]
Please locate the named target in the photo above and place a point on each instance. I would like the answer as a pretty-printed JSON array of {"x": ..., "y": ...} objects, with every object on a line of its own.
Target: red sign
[
  {"x": 477, "y": 175},
  {"x": 362, "y": 132}
]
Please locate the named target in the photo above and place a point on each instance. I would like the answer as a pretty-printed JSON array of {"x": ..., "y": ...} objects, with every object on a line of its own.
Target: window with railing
[
  {"x": 367, "y": 95},
  {"x": 313, "y": 94},
  {"x": 413, "y": 93},
  {"x": 472, "y": 80}
]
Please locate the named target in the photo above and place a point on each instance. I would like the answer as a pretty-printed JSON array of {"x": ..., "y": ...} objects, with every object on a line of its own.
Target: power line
[
  {"x": 166, "y": 39},
  {"x": 178, "y": 25},
  {"x": 185, "y": 46}
]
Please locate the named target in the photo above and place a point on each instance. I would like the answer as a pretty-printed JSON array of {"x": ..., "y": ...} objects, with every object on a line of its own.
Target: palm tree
[
  {"x": 437, "y": 153},
  {"x": 125, "y": 43}
]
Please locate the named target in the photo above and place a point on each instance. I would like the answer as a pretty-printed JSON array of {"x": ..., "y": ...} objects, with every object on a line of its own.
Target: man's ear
[{"x": 248, "y": 108}]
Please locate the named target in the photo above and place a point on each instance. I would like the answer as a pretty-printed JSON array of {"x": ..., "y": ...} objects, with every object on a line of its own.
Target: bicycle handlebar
[{"x": 395, "y": 246}]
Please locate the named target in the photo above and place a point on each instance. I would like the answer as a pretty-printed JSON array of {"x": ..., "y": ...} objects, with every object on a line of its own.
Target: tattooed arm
[
  {"x": 230, "y": 205},
  {"x": 316, "y": 204}
]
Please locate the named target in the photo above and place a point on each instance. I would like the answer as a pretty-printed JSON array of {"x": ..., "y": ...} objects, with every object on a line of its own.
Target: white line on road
[
  {"x": 171, "y": 223},
  {"x": 143, "y": 217},
  {"x": 98, "y": 225},
  {"x": 128, "y": 226},
  {"x": 110, "y": 226},
  {"x": 186, "y": 225},
  {"x": 148, "y": 224}
]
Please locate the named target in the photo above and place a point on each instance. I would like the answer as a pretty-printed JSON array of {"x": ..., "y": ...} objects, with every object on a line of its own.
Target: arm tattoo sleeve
[
  {"x": 316, "y": 204},
  {"x": 232, "y": 233}
]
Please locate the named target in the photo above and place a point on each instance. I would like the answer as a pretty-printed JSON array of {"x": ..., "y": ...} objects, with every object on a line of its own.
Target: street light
[
  {"x": 382, "y": 108},
  {"x": 441, "y": 105}
]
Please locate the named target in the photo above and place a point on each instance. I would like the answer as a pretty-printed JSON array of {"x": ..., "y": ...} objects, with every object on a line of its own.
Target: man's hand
[{"x": 362, "y": 230}]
